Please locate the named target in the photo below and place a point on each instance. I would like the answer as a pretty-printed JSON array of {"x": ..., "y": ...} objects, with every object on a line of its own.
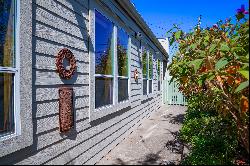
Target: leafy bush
[
  {"x": 211, "y": 140},
  {"x": 212, "y": 68}
]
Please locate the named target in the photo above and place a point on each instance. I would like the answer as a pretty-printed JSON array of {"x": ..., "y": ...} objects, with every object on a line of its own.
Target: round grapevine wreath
[{"x": 63, "y": 73}]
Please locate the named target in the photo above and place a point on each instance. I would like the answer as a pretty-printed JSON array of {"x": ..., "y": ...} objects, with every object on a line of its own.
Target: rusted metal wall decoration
[
  {"x": 65, "y": 53},
  {"x": 136, "y": 75},
  {"x": 66, "y": 115}
]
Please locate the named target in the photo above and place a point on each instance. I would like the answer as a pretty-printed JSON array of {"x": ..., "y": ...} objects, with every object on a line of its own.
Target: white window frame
[
  {"x": 95, "y": 113},
  {"x": 23, "y": 136},
  {"x": 16, "y": 71}
]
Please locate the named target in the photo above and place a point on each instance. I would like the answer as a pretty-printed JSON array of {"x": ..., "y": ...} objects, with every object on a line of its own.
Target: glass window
[
  {"x": 7, "y": 66},
  {"x": 103, "y": 91},
  {"x": 122, "y": 62},
  {"x": 104, "y": 41},
  {"x": 122, "y": 89},
  {"x": 150, "y": 71},
  {"x": 103, "y": 45},
  {"x": 7, "y": 33},
  {"x": 144, "y": 63},
  {"x": 158, "y": 74},
  {"x": 6, "y": 103},
  {"x": 145, "y": 69}
]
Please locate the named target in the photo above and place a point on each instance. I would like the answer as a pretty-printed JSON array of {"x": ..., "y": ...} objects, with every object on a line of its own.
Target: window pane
[
  {"x": 150, "y": 66},
  {"x": 7, "y": 33},
  {"x": 122, "y": 89},
  {"x": 158, "y": 68},
  {"x": 144, "y": 62},
  {"x": 159, "y": 85},
  {"x": 103, "y": 91},
  {"x": 150, "y": 86},
  {"x": 144, "y": 87},
  {"x": 122, "y": 52},
  {"x": 6, "y": 103},
  {"x": 103, "y": 45}
]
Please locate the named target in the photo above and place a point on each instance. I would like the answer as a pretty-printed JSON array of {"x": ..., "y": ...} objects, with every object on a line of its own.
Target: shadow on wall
[{"x": 18, "y": 156}]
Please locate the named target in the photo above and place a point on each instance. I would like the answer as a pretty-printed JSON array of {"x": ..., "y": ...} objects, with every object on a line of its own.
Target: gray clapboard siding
[
  {"x": 94, "y": 159},
  {"x": 99, "y": 141},
  {"x": 52, "y": 78},
  {"x": 50, "y": 123},
  {"x": 65, "y": 145},
  {"x": 44, "y": 94},
  {"x": 80, "y": 7},
  {"x": 60, "y": 24},
  {"x": 48, "y": 33},
  {"x": 49, "y": 18},
  {"x": 135, "y": 66},
  {"x": 51, "y": 108},
  {"x": 43, "y": 62},
  {"x": 62, "y": 11},
  {"x": 49, "y": 48}
]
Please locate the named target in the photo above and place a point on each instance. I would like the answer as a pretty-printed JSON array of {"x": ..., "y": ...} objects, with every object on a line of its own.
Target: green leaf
[
  {"x": 224, "y": 47},
  {"x": 212, "y": 48},
  {"x": 196, "y": 63},
  {"x": 177, "y": 35},
  {"x": 206, "y": 38},
  {"x": 193, "y": 46},
  {"x": 236, "y": 49},
  {"x": 171, "y": 41},
  {"x": 221, "y": 63},
  {"x": 245, "y": 73},
  {"x": 242, "y": 86}
]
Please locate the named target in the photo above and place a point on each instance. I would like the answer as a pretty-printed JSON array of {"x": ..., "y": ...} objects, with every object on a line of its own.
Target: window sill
[{"x": 105, "y": 110}]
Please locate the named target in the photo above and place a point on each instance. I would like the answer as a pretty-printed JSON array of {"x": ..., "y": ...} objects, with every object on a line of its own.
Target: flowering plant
[{"x": 213, "y": 63}]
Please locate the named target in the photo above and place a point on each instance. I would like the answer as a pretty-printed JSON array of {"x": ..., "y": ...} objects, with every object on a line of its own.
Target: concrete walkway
[{"x": 154, "y": 142}]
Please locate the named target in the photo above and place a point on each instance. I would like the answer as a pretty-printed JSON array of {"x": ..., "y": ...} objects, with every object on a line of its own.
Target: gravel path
[{"x": 154, "y": 142}]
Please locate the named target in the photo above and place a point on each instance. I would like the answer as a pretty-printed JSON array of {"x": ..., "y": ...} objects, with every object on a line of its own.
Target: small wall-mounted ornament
[
  {"x": 136, "y": 75},
  {"x": 65, "y": 54},
  {"x": 66, "y": 116}
]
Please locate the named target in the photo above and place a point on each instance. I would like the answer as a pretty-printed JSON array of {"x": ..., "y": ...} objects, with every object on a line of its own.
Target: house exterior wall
[{"x": 57, "y": 24}]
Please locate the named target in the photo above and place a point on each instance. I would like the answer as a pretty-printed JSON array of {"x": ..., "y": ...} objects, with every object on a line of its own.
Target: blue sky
[{"x": 160, "y": 15}]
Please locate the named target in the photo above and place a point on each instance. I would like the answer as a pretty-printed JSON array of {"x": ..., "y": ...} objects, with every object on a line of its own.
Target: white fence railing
[{"x": 171, "y": 94}]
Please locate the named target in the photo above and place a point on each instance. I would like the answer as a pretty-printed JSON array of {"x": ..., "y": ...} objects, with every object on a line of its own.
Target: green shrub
[{"x": 213, "y": 138}]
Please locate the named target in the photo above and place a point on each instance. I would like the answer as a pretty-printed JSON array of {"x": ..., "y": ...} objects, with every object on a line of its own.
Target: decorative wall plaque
[
  {"x": 66, "y": 116},
  {"x": 136, "y": 75},
  {"x": 65, "y": 54}
]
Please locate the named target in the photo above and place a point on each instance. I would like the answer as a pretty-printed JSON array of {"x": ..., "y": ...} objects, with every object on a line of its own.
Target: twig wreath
[{"x": 63, "y": 73}]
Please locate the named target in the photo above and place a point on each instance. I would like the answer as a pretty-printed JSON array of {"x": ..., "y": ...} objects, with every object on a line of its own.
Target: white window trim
[
  {"x": 16, "y": 71},
  {"x": 95, "y": 113},
  {"x": 23, "y": 136}
]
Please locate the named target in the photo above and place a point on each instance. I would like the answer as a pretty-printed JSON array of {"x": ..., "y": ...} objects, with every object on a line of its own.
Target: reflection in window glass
[
  {"x": 7, "y": 33},
  {"x": 144, "y": 87},
  {"x": 144, "y": 63},
  {"x": 150, "y": 65},
  {"x": 103, "y": 45},
  {"x": 122, "y": 50},
  {"x": 158, "y": 74},
  {"x": 6, "y": 103},
  {"x": 103, "y": 91},
  {"x": 122, "y": 89},
  {"x": 150, "y": 86}
]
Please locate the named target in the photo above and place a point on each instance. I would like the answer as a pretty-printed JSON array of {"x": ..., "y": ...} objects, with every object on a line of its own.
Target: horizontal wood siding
[{"x": 65, "y": 23}]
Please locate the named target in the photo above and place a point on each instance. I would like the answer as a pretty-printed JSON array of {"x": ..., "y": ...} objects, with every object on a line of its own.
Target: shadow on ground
[{"x": 175, "y": 146}]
